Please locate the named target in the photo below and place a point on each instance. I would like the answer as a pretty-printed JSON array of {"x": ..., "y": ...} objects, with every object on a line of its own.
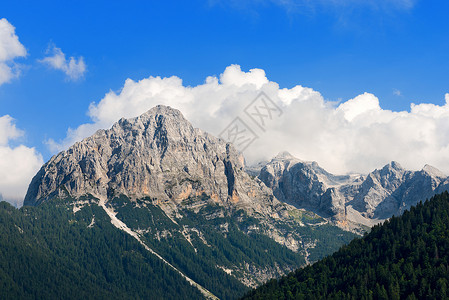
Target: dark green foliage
[
  {"x": 47, "y": 252},
  {"x": 405, "y": 258},
  {"x": 328, "y": 238},
  {"x": 199, "y": 260},
  {"x": 219, "y": 238}
]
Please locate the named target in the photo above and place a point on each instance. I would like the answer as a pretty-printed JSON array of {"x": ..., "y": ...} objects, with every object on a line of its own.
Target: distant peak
[
  {"x": 284, "y": 155},
  {"x": 394, "y": 165},
  {"x": 163, "y": 110},
  {"x": 433, "y": 171}
]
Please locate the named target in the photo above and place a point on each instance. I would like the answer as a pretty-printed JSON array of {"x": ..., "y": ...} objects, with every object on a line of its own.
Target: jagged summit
[
  {"x": 363, "y": 199},
  {"x": 158, "y": 155},
  {"x": 433, "y": 171},
  {"x": 284, "y": 155},
  {"x": 281, "y": 160},
  {"x": 394, "y": 165},
  {"x": 167, "y": 122}
]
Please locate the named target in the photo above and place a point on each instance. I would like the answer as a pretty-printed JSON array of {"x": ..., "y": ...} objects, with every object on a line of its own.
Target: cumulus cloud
[
  {"x": 8, "y": 130},
  {"x": 73, "y": 67},
  {"x": 10, "y": 48},
  {"x": 354, "y": 135},
  {"x": 17, "y": 164}
]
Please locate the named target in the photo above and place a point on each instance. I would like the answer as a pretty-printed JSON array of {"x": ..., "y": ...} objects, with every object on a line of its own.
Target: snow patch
[
  {"x": 122, "y": 226},
  {"x": 92, "y": 222}
]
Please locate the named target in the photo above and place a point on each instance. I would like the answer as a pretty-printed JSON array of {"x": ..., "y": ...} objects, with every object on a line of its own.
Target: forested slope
[
  {"x": 48, "y": 252},
  {"x": 405, "y": 258}
]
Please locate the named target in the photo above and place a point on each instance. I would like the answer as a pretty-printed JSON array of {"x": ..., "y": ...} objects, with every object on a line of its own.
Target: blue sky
[{"x": 397, "y": 50}]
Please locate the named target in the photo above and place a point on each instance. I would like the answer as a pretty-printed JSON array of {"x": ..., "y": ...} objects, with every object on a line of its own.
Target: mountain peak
[
  {"x": 156, "y": 126},
  {"x": 432, "y": 171},
  {"x": 163, "y": 110},
  {"x": 395, "y": 165},
  {"x": 285, "y": 155},
  {"x": 159, "y": 110},
  {"x": 158, "y": 155},
  {"x": 355, "y": 198}
]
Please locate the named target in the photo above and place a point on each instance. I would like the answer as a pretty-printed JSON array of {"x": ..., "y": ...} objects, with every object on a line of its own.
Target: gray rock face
[
  {"x": 304, "y": 184},
  {"x": 362, "y": 199},
  {"x": 158, "y": 154}
]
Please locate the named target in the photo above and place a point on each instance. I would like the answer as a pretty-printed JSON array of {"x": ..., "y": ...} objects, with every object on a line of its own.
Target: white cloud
[
  {"x": 356, "y": 135},
  {"x": 10, "y": 48},
  {"x": 359, "y": 106},
  {"x": 8, "y": 130},
  {"x": 17, "y": 164},
  {"x": 397, "y": 92},
  {"x": 72, "y": 67}
]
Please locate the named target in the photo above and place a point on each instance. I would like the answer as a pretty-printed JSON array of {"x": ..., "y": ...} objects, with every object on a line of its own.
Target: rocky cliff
[
  {"x": 158, "y": 155},
  {"x": 355, "y": 198}
]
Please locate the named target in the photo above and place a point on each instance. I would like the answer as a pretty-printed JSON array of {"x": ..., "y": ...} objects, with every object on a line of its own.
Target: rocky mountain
[
  {"x": 158, "y": 155},
  {"x": 185, "y": 197},
  {"x": 352, "y": 199}
]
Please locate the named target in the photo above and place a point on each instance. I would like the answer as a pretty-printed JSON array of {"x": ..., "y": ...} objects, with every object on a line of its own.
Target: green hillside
[
  {"x": 48, "y": 252},
  {"x": 55, "y": 251},
  {"x": 405, "y": 258},
  {"x": 220, "y": 249}
]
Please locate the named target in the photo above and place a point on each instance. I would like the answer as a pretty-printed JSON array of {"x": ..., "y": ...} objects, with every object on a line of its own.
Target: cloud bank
[
  {"x": 73, "y": 68},
  {"x": 355, "y": 135},
  {"x": 17, "y": 164},
  {"x": 10, "y": 48}
]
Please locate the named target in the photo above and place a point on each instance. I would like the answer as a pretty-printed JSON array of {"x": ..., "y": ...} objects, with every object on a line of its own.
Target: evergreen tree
[{"x": 405, "y": 258}]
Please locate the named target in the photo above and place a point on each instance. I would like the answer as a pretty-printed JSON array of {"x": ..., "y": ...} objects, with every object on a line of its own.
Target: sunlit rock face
[
  {"x": 356, "y": 198},
  {"x": 158, "y": 155}
]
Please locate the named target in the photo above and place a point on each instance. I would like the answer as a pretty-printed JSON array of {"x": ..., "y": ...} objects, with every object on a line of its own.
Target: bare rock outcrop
[
  {"x": 158, "y": 155},
  {"x": 354, "y": 198}
]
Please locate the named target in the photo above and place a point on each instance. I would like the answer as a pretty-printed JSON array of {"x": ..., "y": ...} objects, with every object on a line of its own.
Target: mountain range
[
  {"x": 350, "y": 201},
  {"x": 186, "y": 199},
  {"x": 185, "y": 196}
]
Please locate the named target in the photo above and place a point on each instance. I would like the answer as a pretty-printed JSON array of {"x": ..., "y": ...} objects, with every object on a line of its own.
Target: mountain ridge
[{"x": 350, "y": 199}]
